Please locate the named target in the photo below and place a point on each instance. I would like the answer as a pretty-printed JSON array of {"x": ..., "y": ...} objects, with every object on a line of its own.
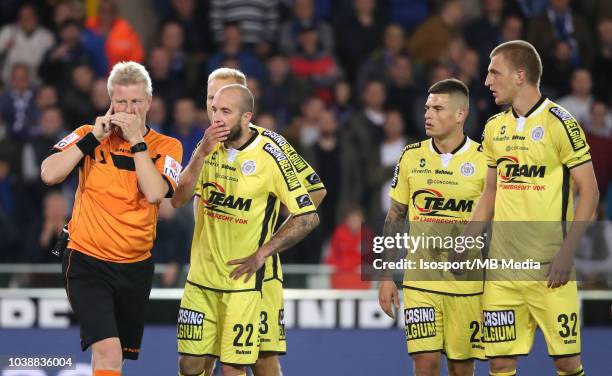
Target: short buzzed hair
[
  {"x": 228, "y": 74},
  {"x": 452, "y": 87},
  {"x": 522, "y": 55},
  {"x": 247, "y": 101}
]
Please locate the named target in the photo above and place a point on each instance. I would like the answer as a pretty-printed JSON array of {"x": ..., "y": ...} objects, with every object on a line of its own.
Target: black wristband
[
  {"x": 141, "y": 146},
  {"x": 88, "y": 144}
]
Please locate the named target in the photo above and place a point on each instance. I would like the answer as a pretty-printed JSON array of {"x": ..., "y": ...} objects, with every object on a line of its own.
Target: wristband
[
  {"x": 141, "y": 146},
  {"x": 88, "y": 144}
]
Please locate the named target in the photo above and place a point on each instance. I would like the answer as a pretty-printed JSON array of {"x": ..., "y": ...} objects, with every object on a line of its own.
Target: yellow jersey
[
  {"x": 441, "y": 191},
  {"x": 532, "y": 156},
  {"x": 240, "y": 194}
]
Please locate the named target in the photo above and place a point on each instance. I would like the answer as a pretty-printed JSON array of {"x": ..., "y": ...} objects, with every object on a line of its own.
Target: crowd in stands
[{"x": 345, "y": 81}]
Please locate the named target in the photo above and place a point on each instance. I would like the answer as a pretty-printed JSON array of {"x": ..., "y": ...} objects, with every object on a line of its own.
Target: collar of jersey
[
  {"x": 250, "y": 144},
  {"x": 536, "y": 109},
  {"x": 465, "y": 145}
]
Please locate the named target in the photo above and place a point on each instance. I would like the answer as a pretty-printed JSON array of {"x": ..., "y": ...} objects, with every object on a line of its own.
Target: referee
[{"x": 125, "y": 170}]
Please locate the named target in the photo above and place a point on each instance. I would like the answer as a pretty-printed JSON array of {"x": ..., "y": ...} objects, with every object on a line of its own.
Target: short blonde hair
[
  {"x": 129, "y": 73},
  {"x": 227, "y": 74},
  {"x": 521, "y": 55}
]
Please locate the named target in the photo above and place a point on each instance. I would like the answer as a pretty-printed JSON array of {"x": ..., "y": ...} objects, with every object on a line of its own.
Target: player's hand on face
[
  {"x": 248, "y": 265},
  {"x": 560, "y": 269},
  {"x": 102, "y": 126},
  {"x": 130, "y": 125},
  {"x": 214, "y": 133},
  {"x": 388, "y": 297}
]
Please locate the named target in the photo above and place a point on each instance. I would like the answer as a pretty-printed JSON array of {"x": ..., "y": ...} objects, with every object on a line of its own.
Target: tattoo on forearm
[
  {"x": 394, "y": 224},
  {"x": 294, "y": 230}
]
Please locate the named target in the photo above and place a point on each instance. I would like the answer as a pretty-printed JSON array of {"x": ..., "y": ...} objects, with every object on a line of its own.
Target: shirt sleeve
[
  {"x": 570, "y": 138},
  {"x": 307, "y": 175},
  {"x": 487, "y": 145},
  {"x": 400, "y": 186},
  {"x": 285, "y": 183},
  {"x": 67, "y": 142},
  {"x": 169, "y": 163}
]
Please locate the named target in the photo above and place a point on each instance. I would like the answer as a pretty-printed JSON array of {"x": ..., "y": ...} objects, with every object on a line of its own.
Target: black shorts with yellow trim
[
  {"x": 221, "y": 324},
  {"x": 437, "y": 321}
]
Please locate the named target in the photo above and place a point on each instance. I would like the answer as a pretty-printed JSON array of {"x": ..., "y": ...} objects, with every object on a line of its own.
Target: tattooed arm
[
  {"x": 292, "y": 231},
  {"x": 387, "y": 290}
]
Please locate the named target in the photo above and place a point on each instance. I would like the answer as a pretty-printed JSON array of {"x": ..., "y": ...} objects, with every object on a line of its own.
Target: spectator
[
  {"x": 385, "y": 159},
  {"x": 268, "y": 121},
  {"x": 25, "y": 42},
  {"x": 46, "y": 97},
  {"x": 599, "y": 136},
  {"x": 157, "y": 115},
  {"x": 172, "y": 39},
  {"x": 159, "y": 65},
  {"x": 258, "y": 21},
  {"x": 76, "y": 101},
  {"x": 432, "y": 38},
  {"x": 44, "y": 231},
  {"x": 336, "y": 166},
  {"x": 480, "y": 98},
  {"x": 121, "y": 42},
  {"x": 99, "y": 97},
  {"x": 185, "y": 128},
  {"x": 59, "y": 61},
  {"x": 49, "y": 130},
  {"x": 314, "y": 64},
  {"x": 401, "y": 90},
  {"x": 345, "y": 251},
  {"x": 305, "y": 127},
  {"x": 17, "y": 106},
  {"x": 556, "y": 76},
  {"x": 579, "y": 101},
  {"x": 282, "y": 92},
  {"x": 364, "y": 24},
  {"x": 560, "y": 23},
  {"x": 483, "y": 34},
  {"x": 512, "y": 29},
  {"x": 13, "y": 210},
  {"x": 364, "y": 135},
  {"x": 173, "y": 244},
  {"x": 303, "y": 17},
  {"x": 376, "y": 66},
  {"x": 232, "y": 47},
  {"x": 603, "y": 60},
  {"x": 189, "y": 14},
  {"x": 342, "y": 108}
]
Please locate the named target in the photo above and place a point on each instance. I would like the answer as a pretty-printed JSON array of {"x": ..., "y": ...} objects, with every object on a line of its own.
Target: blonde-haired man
[{"x": 125, "y": 170}]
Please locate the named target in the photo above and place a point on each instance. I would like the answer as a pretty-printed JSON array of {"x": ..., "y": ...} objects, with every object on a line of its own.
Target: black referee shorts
[{"x": 108, "y": 298}]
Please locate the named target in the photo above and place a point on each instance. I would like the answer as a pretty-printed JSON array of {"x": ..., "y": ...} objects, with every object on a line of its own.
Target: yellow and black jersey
[
  {"x": 308, "y": 177},
  {"x": 533, "y": 156},
  {"x": 440, "y": 189},
  {"x": 240, "y": 194}
]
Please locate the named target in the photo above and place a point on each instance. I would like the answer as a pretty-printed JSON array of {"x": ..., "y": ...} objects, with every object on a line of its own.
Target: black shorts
[{"x": 108, "y": 298}]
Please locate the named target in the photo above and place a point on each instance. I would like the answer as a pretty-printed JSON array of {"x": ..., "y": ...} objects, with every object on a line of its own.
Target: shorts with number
[
  {"x": 272, "y": 325},
  {"x": 219, "y": 324},
  {"x": 513, "y": 310},
  {"x": 441, "y": 322}
]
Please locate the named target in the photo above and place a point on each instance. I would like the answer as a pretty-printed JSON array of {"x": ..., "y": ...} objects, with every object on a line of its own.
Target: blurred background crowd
[{"x": 345, "y": 81}]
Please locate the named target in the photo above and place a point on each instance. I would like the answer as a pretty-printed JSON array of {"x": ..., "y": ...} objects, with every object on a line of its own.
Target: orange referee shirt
[{"x": 111, "y": 219}]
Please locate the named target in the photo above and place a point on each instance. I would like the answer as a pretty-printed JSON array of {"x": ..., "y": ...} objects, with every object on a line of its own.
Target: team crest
[
  {"x": 248, "y": 167},
  {"x": 537, "y": 133},
  {"x": 468, "y": 169}
]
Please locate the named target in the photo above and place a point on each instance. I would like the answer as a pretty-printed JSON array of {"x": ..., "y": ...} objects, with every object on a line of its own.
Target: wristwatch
[{"x": 141, "y": 146}]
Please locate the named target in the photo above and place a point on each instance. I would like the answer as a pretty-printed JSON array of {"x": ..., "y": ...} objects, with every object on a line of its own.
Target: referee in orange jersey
[{"x": 125, "y": 170}]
